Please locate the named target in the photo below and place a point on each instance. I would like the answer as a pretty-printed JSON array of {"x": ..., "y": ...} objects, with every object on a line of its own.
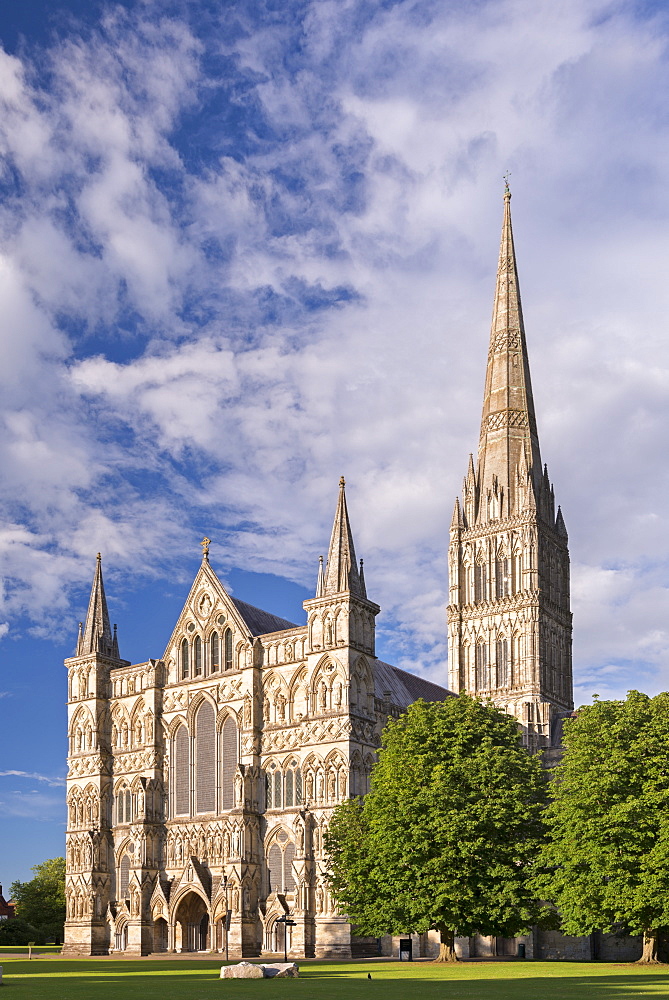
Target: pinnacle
[
  {"x": 97, "y": 634},
  {"x": 341, "y": 573}
]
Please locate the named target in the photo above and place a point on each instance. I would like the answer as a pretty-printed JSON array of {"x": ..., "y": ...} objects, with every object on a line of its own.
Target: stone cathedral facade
[
  {"x": 509, "y": 619},
  {"x": 200, "y": 784}
]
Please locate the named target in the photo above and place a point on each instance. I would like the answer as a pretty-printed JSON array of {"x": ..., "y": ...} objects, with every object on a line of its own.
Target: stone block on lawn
[
  {"x": 245, "y": 970},
  {"x": 282, "y": 970}
]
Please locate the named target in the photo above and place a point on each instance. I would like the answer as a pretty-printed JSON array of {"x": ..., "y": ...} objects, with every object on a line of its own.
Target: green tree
[
  {"x": 17, "y": 931},
  {"x": 607, "y": 856},
  {"x": 41, "y": 901},
  {"x": 448, "y": 834}
]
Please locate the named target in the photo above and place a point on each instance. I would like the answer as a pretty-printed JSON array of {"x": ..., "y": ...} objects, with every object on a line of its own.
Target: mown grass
[{"x": 107, "y": 979}]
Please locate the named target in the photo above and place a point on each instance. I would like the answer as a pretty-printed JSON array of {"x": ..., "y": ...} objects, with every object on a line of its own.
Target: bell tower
[{"x": 509, "y": 619}]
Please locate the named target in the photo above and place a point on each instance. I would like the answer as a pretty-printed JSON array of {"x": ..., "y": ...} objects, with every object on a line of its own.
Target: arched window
[
  {"x": 184, "y": 659},
  {"x": 123, "y": 877},
  {"x": 128, "y": 806},
  {"x": 205, "y": 759},
  {"x": 280, "y": 864},
  {"x": 275, "y": 868},
  {"x": 502, "y": 577},
  {"x": 229, "y": 758},
  {"x": 481, "y": 667},
  {"x": 293, "y": 785},
  {"x": 503, "y": 672},
  {"x": 277, "y": 789},
  {"x": 480, "y": 580},
  {"x": 227, "y": 644},
  {"x": 181, "y": 772},
  {"x": 197, "y": 657},
  {"x": 215, "y": 656}
]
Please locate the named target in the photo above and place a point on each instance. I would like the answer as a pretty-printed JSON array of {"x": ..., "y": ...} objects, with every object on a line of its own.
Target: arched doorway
[
  {"x": 121, "y": 937},
  {"x": 160, "y": 934},
  {"x": 192, "y": 921}
]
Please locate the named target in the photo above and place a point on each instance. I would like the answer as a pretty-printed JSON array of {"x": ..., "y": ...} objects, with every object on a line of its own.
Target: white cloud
[{"x": 341, "y": 323}]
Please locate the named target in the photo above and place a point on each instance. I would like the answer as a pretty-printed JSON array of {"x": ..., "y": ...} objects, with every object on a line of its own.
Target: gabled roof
[
  {"x": 261, "y": 622},
  {"x": 404, "y": 687}
]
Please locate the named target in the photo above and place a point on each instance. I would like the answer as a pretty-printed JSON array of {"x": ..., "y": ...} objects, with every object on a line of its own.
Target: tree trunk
[
  {"x": 650, "y": 947},
  {"x": 446, "y": 946}
]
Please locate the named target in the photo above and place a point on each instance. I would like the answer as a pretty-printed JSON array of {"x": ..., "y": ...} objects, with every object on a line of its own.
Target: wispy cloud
[{"x": 33, "y": 776}]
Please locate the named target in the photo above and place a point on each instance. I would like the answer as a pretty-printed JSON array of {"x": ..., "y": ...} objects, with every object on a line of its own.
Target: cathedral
[{"x": 201, "y": 783}]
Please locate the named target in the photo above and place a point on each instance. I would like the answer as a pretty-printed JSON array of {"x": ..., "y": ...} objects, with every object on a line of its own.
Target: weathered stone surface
[
  {"x": 245, "y": 970},
  {"x": 281, "y": 970}
]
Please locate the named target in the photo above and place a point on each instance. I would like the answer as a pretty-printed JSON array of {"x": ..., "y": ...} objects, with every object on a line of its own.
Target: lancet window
[
  {"x": 502, "y": 577},
  {"x": 214, "y": 652},
  {"x": 227, "y": 649},
  {"x": 184, "y": 659},
  {"x": 124, "y": 805},
  {"x": 197, "y": 657},
  {"x": 181, "y": 772},
  {"x": 481, "y": 667},
  {"x": 503, "y": 665},
  {"x": 280, "y": 859},
  {"x": 480, "y": 580},
  {"x": 229, "y": 741},
  {"x": 205, "y": 759}
]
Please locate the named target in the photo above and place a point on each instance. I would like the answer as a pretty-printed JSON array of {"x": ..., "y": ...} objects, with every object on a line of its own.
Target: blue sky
[{"x": 246, "y": 247}]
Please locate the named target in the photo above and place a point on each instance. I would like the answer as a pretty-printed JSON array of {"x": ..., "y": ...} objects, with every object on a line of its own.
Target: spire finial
[
  {"x": 342, "y": 482},
  {"x": 205, "y": 543},
  {"x": 507, "y": 189}
]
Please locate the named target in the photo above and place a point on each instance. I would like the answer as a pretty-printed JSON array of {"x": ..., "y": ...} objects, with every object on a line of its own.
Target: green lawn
[{"x": 60, "y": 979}]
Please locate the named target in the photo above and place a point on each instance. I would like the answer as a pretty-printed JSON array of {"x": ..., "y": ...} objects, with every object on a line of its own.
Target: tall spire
[
  {"x": 97, "y": 635},
  {"x": 508, "y": 424},
  {"x": 342, "y": 571}
]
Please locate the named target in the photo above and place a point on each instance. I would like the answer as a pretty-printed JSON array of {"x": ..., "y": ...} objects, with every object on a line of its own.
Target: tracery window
[
  {"x": 205, "y": 759},
  {"x": 280, "y": 859}
]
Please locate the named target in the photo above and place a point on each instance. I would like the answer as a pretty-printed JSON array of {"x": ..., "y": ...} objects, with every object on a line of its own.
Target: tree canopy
[
  {"x": 41, "y": 901},
  {"x": 448, "y": 833},
  {"x": 607, "y": 855}
]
